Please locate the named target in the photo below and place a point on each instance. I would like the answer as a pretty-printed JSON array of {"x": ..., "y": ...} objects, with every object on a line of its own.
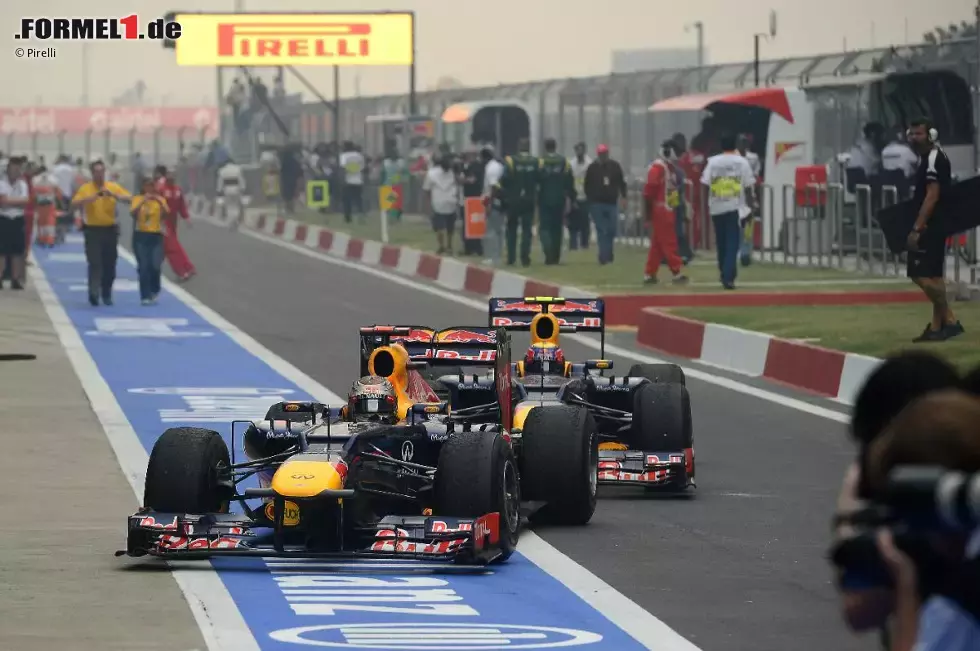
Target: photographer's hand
[{"x": 907, "y": 600}]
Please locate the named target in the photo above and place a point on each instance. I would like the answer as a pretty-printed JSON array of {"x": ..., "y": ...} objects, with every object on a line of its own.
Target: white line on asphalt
[
  {"x": 219, "y": 619},
  {"x": 221, "y": 624},
  {"x": 481, "y": 305}
]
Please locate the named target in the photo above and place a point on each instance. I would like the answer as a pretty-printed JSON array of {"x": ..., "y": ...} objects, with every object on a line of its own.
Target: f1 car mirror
[{"x": 598, "y": 364}]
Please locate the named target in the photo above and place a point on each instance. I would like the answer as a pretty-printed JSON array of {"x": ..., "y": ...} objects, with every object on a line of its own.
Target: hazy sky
[{"x": 478, "y": 41}]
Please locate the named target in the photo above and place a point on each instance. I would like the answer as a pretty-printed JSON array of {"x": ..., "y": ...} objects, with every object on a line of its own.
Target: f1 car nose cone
[{"x": 301, "y": 478}]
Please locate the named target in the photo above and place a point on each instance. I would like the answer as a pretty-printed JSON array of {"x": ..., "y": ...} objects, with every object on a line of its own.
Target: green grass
[
  {"x": 412, "y": 233},
  {"x": 874, "y": 330},
  {"x": 625, "y": 275}
]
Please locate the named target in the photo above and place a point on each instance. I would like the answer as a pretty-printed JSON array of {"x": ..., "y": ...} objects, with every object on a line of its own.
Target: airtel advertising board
[{"x": 45, "y": 121}]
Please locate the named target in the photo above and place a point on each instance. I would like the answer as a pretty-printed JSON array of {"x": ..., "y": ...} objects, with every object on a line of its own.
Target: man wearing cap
[
  {"x": 557, "y": 190},
  {"x": 605, "y": 190},
  {"x": 520, "y": 188}
]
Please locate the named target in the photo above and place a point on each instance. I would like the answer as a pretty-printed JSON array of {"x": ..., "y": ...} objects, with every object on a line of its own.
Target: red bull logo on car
[
  {"x": 416, "y": 336},
  {"x": 466, "y": 337}
]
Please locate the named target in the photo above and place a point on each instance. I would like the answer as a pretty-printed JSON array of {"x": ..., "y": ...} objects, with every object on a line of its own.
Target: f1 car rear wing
[
  {"x": 477, "y": 346},
  {"x": 463, "y": 346},
  {"x": 416, "y": 339},
  {"x": 582, "y": 314}
]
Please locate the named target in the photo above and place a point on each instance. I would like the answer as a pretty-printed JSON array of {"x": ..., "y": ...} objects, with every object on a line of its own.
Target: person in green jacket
[
  {"x": 520, "y": 189},
  {"x": 556, "y": 191}
]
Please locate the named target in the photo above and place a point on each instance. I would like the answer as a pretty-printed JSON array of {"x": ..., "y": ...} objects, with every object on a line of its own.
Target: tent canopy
[{"x": 772, "y": 99}]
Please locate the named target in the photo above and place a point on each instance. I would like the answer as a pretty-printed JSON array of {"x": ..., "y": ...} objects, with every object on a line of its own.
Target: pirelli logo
[{"x": 296, "y": 39}]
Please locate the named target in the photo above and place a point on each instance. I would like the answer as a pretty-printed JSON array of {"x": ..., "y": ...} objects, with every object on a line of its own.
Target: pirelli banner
[{"x": 297, "y": 39}]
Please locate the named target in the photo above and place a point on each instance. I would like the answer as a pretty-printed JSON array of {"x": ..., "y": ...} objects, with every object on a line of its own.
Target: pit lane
[{"x": 738, "y": 567}]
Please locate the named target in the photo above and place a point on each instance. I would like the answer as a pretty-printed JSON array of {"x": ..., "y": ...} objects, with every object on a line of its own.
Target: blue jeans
[
  {"x": 148, "y": 249},
  {"x": 728, "y": 239},
  {"x": 604, "y": 216},
  {"x": 493, "y": 241}
]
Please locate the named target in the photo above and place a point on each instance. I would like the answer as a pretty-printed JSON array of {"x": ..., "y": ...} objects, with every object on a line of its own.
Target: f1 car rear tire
[
  {"x": 659, "y": 373},
  {"x": 662, "y": 418},
  {"x": 477, "y": 474},
  {"x": 560, "y": 460},
  {"x": 183, "y": 474}
]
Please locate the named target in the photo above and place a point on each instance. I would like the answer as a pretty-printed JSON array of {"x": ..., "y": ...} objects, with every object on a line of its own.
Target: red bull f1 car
[
  {"x": 382, "y": 476},
  {"x": 643, "y": 418},
  {"x": 558, "y": 458}
]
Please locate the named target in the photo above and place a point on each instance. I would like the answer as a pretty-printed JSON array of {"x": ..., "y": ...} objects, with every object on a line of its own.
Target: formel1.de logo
[{"x": 126, "y": 28}]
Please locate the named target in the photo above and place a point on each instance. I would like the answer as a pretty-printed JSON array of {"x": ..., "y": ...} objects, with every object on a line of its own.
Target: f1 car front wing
[
  {"x": 473, "y": 541},
  {"x": 653, "y": 469}
]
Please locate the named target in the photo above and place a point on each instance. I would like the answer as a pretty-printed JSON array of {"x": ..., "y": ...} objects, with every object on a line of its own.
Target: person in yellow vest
[
  {"x": 149, "y": 209},
  {"x": 97, "y": 200}
]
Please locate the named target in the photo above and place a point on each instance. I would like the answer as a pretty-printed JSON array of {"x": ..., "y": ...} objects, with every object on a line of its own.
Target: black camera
[{"x": 917, "y": 501}]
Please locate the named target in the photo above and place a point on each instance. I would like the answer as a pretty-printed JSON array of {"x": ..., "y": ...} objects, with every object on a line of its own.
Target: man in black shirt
[
  {"x": 927, "y": 241},
  {"x": 471, "y": 181}
]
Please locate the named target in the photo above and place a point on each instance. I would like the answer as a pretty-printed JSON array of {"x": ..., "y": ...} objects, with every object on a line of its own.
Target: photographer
[
  {"x": 898, "y": 381},
  {"x": 97, "y": 199},
  {"x": 935, "y": 586}
]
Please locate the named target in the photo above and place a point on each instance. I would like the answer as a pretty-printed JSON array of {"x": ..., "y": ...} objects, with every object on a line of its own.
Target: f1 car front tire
[
  {"x": 560, "y": 460},
  {"x": 662, "y": 418},
  {"x": 659, "y": 373},
  {"x": 477, "y": 474},
  {"x": 184, "y": 472}
]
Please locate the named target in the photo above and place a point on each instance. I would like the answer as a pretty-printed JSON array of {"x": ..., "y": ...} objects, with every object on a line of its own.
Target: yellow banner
[{"x": 382, "y": 39}]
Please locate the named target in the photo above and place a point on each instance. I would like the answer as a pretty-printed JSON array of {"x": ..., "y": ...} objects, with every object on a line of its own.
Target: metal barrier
[
  {"x": 161, "y": 146},
  {"x": 817, "y": 226}
]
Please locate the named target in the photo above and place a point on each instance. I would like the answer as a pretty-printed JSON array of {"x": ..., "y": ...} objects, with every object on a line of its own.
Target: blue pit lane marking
[{"x": 167, "y": 366}]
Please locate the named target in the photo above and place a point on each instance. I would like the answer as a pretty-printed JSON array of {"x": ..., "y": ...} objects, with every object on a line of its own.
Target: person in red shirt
[
  {"x": 661, "y": 197},
  {"x": 172, "y": 248}
]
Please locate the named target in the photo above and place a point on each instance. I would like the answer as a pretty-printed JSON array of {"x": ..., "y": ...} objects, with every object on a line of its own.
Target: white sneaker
[{"x": 146, "y": 301}]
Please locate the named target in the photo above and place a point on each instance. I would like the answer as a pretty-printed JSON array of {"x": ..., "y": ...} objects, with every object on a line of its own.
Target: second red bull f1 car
[{"x": 643, "y": 418}]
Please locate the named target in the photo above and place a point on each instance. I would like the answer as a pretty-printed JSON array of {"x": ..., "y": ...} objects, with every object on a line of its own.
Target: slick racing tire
[
  {"x": 661, "y": 418},
  {"x": 560, "y": 463},
  {"x": 186, "y": 467},
  {"x": 477, "y": 474},
  {"x": 659, "y": 373}
]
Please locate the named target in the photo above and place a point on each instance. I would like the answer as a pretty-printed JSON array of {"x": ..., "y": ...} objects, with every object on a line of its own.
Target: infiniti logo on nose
[{"x": 419, "y": 637}]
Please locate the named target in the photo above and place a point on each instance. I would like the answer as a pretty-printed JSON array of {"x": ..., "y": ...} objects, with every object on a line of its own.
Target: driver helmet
[
  {"x": 372, "y": 399},
  {"x": 544, "y": 358}
]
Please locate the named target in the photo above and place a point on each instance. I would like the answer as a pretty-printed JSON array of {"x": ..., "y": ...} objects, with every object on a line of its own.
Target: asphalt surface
[
  {"x": 64, "y": 509},
  {"x": 739, "y": 566}
]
